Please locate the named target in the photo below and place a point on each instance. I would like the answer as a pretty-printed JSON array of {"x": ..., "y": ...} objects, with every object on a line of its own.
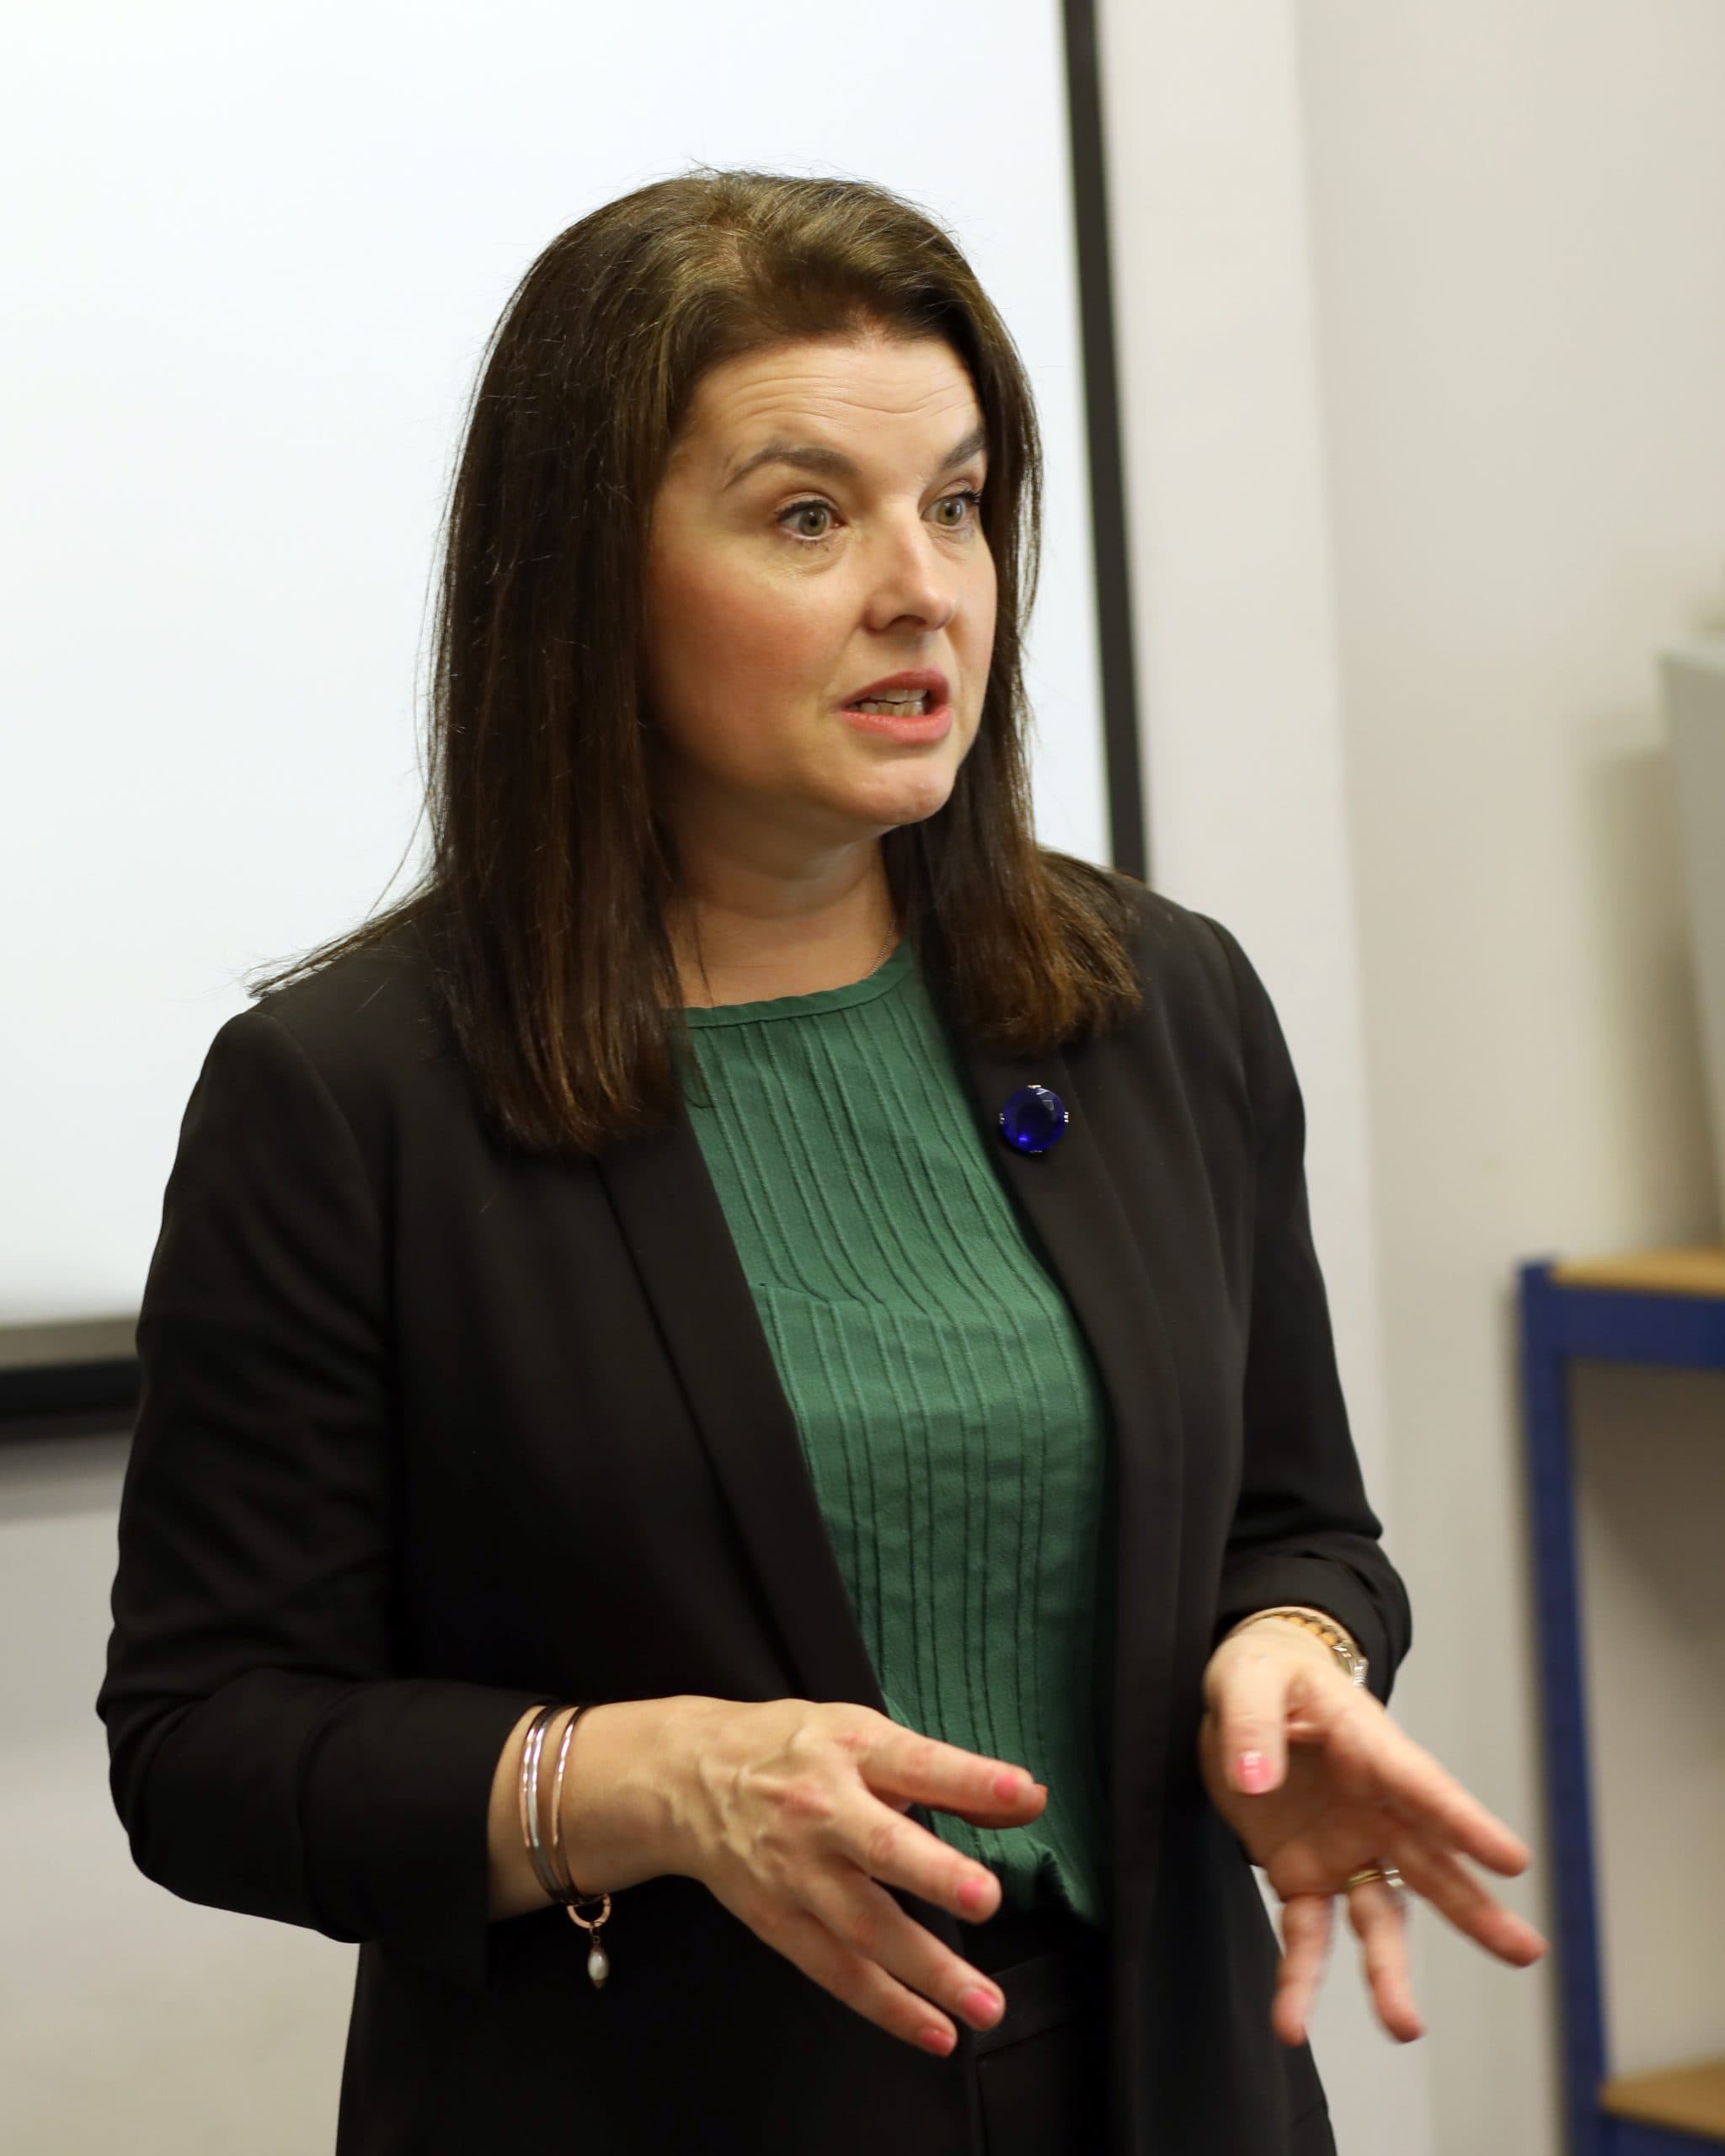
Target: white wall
[
  {"x": 128, "y": 2018},
  {"x": 1520, "y": 288},
  {"x": 1231, "y": 589},
  {"x": 1423, "y": 324},
  {"x": 1652, "y": 1483}
]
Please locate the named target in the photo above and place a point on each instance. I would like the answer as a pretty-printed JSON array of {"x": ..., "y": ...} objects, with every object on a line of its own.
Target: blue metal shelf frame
[{"x": 1562, "y": 1324}]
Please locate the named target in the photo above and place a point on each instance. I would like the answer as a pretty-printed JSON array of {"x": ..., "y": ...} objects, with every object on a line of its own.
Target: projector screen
[{"x": 255, "y": 255}]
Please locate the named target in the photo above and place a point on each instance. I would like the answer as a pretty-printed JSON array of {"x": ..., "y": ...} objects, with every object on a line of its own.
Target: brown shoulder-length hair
[{"x": 546, "y": 905}]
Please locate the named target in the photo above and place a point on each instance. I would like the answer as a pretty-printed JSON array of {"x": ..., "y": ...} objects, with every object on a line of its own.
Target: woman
[{"x": 756, "y": 1307}]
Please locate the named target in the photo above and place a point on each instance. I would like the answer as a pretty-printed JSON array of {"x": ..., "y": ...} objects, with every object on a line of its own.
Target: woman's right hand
[{"x": 791, "y": 1812}]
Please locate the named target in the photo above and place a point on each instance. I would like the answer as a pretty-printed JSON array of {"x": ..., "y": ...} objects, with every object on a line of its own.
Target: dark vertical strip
[{"x": 1127, "y": 833}]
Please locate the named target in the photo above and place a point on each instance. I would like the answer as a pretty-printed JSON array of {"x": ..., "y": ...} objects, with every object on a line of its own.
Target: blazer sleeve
[
  {"x": 268, "y": 1754},
  {"x": 1302, "y": 1531}
]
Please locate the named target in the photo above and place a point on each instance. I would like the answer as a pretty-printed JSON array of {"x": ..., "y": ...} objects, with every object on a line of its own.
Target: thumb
[{"x": 1250, "y": 1709}]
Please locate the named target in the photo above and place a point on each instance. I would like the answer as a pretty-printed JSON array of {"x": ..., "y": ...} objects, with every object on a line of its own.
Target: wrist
[
  {"x": 690, "y": 1757},
  {"x": 1327, "y": 1635},
  {"x": 621, "y": 1798}
]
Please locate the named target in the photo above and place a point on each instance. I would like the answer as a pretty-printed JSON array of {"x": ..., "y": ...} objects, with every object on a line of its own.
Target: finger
[
  {"x": 1379, "y": 1922},
  {"x": 895, "y": 1761},
  {"x": 1458, "y": 1897},
  {"x": 1306, "y": 1925},
  {"x": 882, "y": 1844},
  {"x": 1022, "y": 1812},
  {"x": 1430, "y": 1798},
  {"x": 856, "y": 1980},
  {"x": 1249, "y": 1704},
  {"x": 865, "y": 1920}
]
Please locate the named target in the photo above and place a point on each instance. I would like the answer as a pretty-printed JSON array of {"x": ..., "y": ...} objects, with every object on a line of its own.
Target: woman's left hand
[{"x": 1318, "y": 1783}]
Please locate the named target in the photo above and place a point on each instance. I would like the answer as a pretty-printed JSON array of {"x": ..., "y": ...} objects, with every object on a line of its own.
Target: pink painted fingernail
[{"x": 1254, "y": 1771}]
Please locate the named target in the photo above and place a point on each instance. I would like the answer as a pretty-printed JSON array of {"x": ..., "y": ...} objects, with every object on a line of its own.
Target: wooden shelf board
[
  {"x": 1691, "y": 2098},
  {"x": 1697, "y": 1271}
]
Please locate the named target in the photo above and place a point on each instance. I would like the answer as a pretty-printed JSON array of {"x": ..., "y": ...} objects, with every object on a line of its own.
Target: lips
[{"x": 926, "y": 681}]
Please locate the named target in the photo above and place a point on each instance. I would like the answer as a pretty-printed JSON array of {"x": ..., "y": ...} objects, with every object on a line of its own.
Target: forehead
[{"x": 827, "y": 403}]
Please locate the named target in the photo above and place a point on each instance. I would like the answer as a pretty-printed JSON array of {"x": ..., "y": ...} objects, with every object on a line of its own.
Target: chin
[{"x": 906, "y": 804}]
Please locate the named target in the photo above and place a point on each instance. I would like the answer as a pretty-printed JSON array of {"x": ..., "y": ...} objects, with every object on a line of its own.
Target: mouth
[
  {"x": 895, "y": 707},
  {"x": 909, "y": 718},
  {"x": 917, "y": 689}
]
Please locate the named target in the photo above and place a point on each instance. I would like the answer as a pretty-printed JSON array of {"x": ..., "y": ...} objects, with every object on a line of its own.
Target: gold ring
[{"x": 1387, "y": 1872}]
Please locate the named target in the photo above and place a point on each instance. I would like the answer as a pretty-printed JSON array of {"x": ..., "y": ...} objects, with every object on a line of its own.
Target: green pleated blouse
[{"x": 946, "y": 1402}]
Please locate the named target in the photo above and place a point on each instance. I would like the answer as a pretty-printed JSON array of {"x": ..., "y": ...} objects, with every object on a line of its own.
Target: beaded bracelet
[{"x": 1335, "y": 1635}]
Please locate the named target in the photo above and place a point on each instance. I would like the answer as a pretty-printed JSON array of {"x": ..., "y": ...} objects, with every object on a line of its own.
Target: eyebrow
[{"x": 816, "y": 456}]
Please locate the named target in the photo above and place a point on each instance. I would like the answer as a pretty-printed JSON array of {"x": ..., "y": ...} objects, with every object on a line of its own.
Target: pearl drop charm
[{"x": 598, "y": 1960}]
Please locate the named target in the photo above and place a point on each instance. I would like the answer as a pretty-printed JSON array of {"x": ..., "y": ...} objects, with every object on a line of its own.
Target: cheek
[
  {"x": 984, "y": 604},
  {"x": 770, "y": 639},
  {"x": 725, "y": 629}
]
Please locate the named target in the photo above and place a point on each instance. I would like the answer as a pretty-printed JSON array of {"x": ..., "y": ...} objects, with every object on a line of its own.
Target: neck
[{"x": 747, "y": 943}]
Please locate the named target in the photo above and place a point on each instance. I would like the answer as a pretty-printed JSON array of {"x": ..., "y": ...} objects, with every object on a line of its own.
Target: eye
[{"x": 972, "y": 495}]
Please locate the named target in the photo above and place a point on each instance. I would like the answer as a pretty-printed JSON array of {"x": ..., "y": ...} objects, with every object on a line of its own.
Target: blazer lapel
[
  {"x": 1069, "y": 1200},
  {"x": 674, "y": 1224}
]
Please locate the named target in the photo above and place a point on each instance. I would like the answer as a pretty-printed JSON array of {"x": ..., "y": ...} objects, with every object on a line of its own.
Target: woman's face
[{"x": 776, "y": 593}]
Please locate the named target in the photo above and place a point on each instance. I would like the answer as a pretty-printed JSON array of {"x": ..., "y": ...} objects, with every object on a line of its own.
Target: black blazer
[{"x": 429, "y": 1432}]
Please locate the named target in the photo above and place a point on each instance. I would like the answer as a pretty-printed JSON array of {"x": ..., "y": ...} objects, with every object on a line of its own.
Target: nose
[{"x": 912, "y": 575}]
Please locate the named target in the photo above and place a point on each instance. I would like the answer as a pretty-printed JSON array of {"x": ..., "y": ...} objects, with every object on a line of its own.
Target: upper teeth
[{"x": 888, "y": 704}]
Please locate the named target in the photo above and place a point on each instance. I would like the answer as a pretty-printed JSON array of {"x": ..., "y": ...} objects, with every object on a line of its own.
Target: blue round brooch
[{"x": 1034, "y": 1119}]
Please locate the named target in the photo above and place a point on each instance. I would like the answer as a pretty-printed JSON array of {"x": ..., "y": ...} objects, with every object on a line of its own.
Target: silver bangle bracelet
[
  {"x": 567, "y": 1888},
  {"x": 531, "y": 1833},
  {"x": 552, "y": 1872}
]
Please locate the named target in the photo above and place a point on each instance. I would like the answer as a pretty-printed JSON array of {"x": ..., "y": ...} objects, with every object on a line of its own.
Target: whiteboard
[{"x": 255, "y": 257}]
